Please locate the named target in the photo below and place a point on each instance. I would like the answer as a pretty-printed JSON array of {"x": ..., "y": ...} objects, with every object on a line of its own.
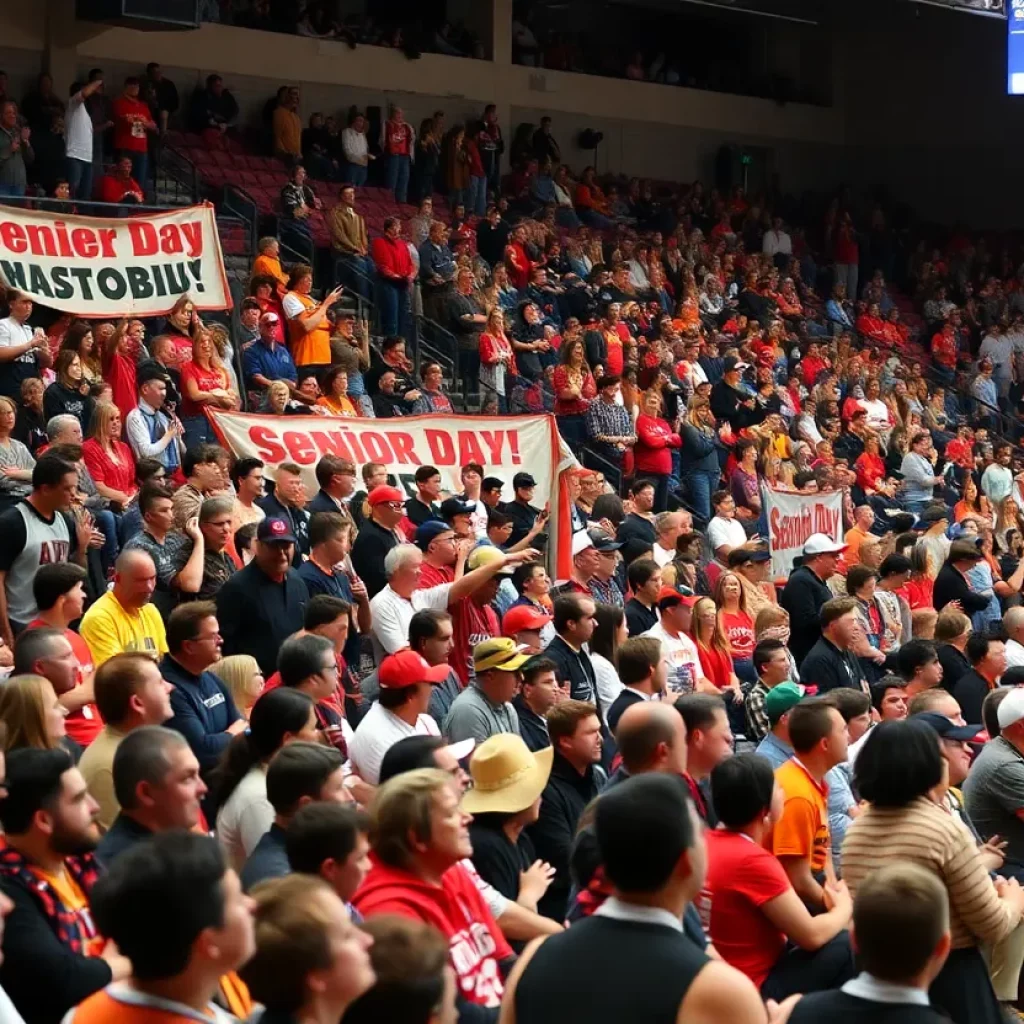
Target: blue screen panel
[{"x": 1015, "y": 49}]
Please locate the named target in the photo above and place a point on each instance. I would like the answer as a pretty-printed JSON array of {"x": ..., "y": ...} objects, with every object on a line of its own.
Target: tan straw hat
[{"x": 507, "y": 775}]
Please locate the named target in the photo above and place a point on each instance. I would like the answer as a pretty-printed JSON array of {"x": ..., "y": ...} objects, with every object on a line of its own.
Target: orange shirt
[
  {"x": 802, "y": 831},
  {"x": 268, "y": 266},
  {"x": 340, "y": 406},
  {"x": 308, "y": 347},
  {"x": 854, "y": 538}
]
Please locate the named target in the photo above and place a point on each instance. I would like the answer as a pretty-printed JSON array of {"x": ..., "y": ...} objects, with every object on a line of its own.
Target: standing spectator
[
  {"x": 298, "y": 203},
  {"x": 308, "y": 327},
  {"x": 264, "y": 603},
  {"x": 132, "y": 125},
  {"x": 652, "y": 452},
  {"x": 78, "y": 148},
  {"x": 356, "y": 152},
  {"x": 130, "y": 693},
  {"x": 162, "y": 96},
  {"x": 24, "y": 352},
  {"x": 395, "y": 272},
  {"x": 15, "y": 151},
  {"x": 350, "y": 244},
  {"x": 39, "y": 531},
  {"x": 575, "y": 731},
  {"x": 205, "y": 384},
  {"x": 287, "y": 129},
  {"x": 214, "y": 111},
  {"x": 377, "y": 536},
  {"x": 151, "y": 432},
  {"x": 398, "y": 143},
  {"x": 806, "y": 592},
  {"x": 491, "y": 145}
]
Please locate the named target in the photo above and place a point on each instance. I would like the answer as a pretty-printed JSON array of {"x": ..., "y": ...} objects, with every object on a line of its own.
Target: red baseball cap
[
  {"x": 407, "y": 667},
  {"x": 522, "y": 616},
  {"x": 669, "y": 596},
  {"x": 385, "y": 493}
]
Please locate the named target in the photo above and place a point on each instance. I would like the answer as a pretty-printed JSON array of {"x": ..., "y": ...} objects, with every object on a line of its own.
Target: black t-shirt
[
  {"x": 497, "y": 861},
  {"x": 639, "y": 618}
]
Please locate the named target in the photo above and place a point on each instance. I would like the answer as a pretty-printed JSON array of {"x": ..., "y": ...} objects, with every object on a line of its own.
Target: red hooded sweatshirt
[{"x": 457, "y": 910}]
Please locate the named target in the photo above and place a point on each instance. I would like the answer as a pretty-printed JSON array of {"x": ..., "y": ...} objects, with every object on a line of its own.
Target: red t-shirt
[
  {"x": 716, "y": 666},
  {"x": 205, "y": 380},
  {"x": 435, "y": 575},
  {"x": 119, "y": 475},
  {"x": 130, "y": 117},
  {"x": 471, "y": 624},
  {"x": 616, "y": 359},
  {"x": 741, "y": 878},
  {"x": 739, "y": 627},
  {"x": 81, "y": 725},
  {"x": 112, "y": 190},
  {"x": 119, "y": 373},
  {"x": 397, "y": 138}
]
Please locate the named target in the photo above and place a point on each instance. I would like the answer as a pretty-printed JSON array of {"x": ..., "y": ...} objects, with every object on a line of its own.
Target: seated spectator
[
  {"x": 407, "y": 852},
  {"x": 267, "y": 361},
  {"x": 120, "y": 186},
  {"x": 124, "y": 619},
  {"x": 484, "y": 707},
  {"x": 299, "y": 774},
  {"x": 158, "y": 789},
  {"x": 831, "y": 663},
  {"x": 215, "y": 524},
  {"x": 46, "y": 809},
  {"x": 310, "y": 959},
  {"x": 749, "y": 907},
  {"x": 181, "y": 880},
  {"x": 108, "y": 459},
  {"x": 214, "y": 111},
  {"x": 433, "y": 400},
  {"x": 69, "y": 393},
  {"x": 204, "y": 712},
  {"x": 405, "y": 680},
  {"x": 130, "y": 693},
  {"x": 32, "y": 717},
  {"x": 30, "y": 422},
  {"x": 263, "y": 604}
]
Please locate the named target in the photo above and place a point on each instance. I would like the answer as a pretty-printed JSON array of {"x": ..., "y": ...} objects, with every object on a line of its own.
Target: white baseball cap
[
  {"x": 581, "y": 540},
  {"x": 1011, "y": 710},
  {"x": 821, "y": 544}
]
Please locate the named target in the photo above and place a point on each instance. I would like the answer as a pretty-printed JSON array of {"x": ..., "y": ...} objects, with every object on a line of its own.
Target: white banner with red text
[
  {"x": 503, "y": 445},
  {"x": 108, "y": 266},
  {"x": 792, "y": 518}
]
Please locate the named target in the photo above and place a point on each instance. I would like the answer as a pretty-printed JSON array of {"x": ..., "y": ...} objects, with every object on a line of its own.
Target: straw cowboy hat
[{"x": 507, "y": 776}]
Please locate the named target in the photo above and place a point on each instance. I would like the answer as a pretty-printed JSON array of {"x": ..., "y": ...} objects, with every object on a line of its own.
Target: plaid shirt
[
  {"x": 608, "y": 420},
  {"x": 606, "y": 593},
  {"x": 758, "y": 725}
]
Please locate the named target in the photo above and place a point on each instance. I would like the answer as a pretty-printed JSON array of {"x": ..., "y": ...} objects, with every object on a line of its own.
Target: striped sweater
[{"x": 925, "y": 834}]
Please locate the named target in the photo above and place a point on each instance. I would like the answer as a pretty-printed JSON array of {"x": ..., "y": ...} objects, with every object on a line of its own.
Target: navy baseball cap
[{"x": 428, "y": 531}]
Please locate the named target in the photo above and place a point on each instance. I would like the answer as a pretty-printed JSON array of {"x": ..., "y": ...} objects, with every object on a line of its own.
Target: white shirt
[
  {"x": 725, "y": 532},
  {"x": 245, "y": 817},
  {"x": 662, "y": 556},
  {"x": 638, "y": 275},
  {"x": 775, "y": 242},
  {"x": 609, "y": 685},
  {"x": 878, "y": 413},
  {"x": 614, "y": 908},
  {"x": 377, "y": 733},
  {"x": 78, "y": 130},
  {"x": 1014, "y": 654},
  {"x": 354, "y": 146},
  {"x": 866, "y": 986},
  {"x": 683, "y": 659},
  {"x": 292, "y": 306},
  {"x": 12, "y": 333},
  {"x": 996, "y": 481},
  {"x": 391, "y": 614}
]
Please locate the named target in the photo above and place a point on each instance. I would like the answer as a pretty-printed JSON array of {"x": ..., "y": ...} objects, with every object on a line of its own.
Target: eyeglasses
[{"x": 395, "y": 506}]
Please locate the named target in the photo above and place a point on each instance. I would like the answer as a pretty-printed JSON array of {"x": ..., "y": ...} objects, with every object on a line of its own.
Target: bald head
[
  {"x": 134, "y": 579},
  {"x": 651, "y": 737}
]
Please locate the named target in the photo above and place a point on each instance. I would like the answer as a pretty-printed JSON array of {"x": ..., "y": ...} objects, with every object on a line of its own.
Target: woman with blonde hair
[
  {"x": 204, "y": 384},
  {"x": 497, "y": 360},
  {"x": 713, "y": 648},
  {"x": 1007, "y": 516},
  {"x": 33, "y": 716},
  {"x": 736, "y": 623},
  {"x": 245, "y": 680},
  {"x": 108, "y": 459},
  {"x": 699, "y": 464},
  {"x": 16, "y": 462}
]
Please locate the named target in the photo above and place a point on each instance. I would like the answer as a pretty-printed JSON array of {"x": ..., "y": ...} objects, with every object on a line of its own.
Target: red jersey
[
  {"x": 457, "y": 910},
  {"x": 739, "y": 628},
  {"x": 944, "y": 349},
  {"x": 205, "y": 380},
  {"x": 397, "y": 138},
  {"x": 715, "y": 665},
  {"x": 81, "y": 725},
  {"x": 471, "y": 624},
  {"x": 741, "y": 878},
  {"x": 435, "y": 575},
  {"x": 130, "y": 117},
  {"x": 654, "y": 439},
  {"x": 119, "y": 372},
  {"x": 110, "y": 189}
]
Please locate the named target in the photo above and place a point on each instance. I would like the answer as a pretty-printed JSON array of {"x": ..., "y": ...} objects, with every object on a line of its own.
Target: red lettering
[
  {"x": 13, "y": 237},
  {"x": 377, "y": 448},
  {"x": 63, "y": 242},
  {"x": 192, "y": 232},
  {"x": 268, "y": 447},
  {"x": 442, "y": 452},
  {"x": 401, "y": 444},
  {"x": 300, "y": 447},
  {"x": 493, "y": 439},
  {"x": 513, "y": 443},
  {"x": 357, "y": 450},
  {"x": 469, "y": 448},
  {"x": 107, "y": 237},
  {"x": 41, "y": 241},
  {"x": 143, "y": 238},
  {"x": 331, "y": 444},
  {"x": 85, "y": 243},
  {"x": 170, "y": 240}
]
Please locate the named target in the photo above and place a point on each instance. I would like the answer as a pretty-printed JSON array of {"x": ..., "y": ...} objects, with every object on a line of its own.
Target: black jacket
[
  {"x": 574, "y": 668},
  {"x": 970, "y": 691},
  {"x": 257, "y": 615},
  {"x": 565, "y": 797},
  {"x": 523, "y": 517},
  {"x": 726, "y": 404},
  {"x": 804, "y": 594},
  {"x": 297, "y": 517},
  {"x": 954, "y": 665},
  {"x": 951, "y": 585},
  {"x": 829, "y": 668},
  {"x": 625, "y": 699},
  {"x": 373, "y": 542},
  {"x": 532, "y": 727},
  {"x": 122, "y": 836}
]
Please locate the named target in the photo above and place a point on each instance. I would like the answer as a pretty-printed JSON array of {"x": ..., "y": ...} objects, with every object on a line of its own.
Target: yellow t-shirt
[
  {"x": 802, "y": 831},
  {"x": 110, "y": 629}
]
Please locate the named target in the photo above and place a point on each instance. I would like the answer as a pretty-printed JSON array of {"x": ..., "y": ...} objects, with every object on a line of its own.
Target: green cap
[{"x": 781, "y": 699}]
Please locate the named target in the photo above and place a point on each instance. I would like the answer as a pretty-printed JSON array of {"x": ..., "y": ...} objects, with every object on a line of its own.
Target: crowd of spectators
[{"x": 430, "y": 770}]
